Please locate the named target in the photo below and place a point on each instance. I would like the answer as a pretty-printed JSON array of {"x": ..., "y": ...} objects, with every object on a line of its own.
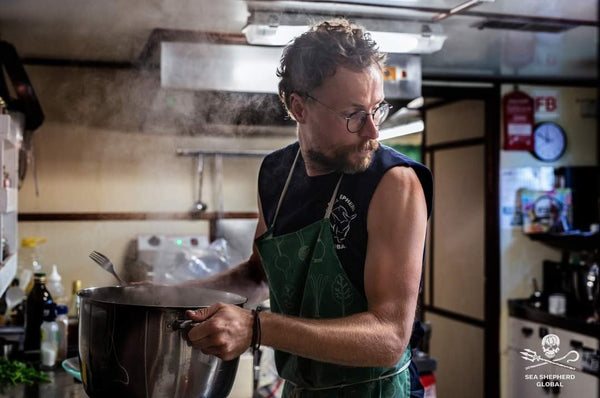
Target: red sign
[{"x": 518, "y": 113}]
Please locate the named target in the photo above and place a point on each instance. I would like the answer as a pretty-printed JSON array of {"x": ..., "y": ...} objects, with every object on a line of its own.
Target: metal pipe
[
  {"x": 246, "y": 153},
  {"x": 459, "y": 8}
]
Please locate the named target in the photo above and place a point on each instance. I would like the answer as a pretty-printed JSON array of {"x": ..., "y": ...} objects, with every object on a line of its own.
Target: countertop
[
  {"x": 521, "y": 308},
  {"x": 63, "y": 385}
]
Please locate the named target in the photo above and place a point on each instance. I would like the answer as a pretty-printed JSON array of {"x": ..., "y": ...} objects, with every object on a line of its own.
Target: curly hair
[{"x": 316, "y": 54}]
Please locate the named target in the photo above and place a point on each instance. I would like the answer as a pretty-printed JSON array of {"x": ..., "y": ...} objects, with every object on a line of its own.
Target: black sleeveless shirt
[{"x": 306, "y": 200}]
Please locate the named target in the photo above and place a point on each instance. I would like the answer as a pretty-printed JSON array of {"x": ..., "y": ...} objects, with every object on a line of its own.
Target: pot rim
[{"x": 223, "y": 296}]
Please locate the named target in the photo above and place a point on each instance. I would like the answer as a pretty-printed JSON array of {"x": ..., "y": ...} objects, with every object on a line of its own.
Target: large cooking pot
[{"x": 130, "y": 343}]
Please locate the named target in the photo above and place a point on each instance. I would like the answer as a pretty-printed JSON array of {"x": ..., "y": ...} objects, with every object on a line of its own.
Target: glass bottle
[
  {"x": 37, "y": 301},
  {"x": 74, "y": 307}
]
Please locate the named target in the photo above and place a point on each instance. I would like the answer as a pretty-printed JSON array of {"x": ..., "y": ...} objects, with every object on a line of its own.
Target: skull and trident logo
[{"x": 551, "y": 347}]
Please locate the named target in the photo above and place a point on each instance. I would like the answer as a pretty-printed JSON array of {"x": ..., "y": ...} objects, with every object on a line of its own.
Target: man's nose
[{"x": 370, "y": 129}]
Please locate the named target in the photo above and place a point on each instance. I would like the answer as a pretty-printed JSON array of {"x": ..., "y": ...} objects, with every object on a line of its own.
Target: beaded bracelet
[{"x": 256, "y": 331}]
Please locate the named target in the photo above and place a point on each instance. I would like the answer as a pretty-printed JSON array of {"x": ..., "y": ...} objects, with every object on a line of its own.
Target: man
[{"x": 341, "y": 234}]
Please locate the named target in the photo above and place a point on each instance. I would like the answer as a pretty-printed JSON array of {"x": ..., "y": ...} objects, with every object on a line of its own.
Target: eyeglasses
[{"x": 356, "y": 121}]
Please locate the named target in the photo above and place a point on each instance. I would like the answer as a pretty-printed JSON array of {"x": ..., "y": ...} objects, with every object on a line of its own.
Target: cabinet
[
  {"x": 11, "y": 127},
  {"x": 551, "y": 380}
]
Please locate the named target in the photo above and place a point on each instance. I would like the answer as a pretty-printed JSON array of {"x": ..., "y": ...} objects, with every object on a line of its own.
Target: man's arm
[
  {"x": 247, "y": 279},
  {"x": 396, "y": 223}
]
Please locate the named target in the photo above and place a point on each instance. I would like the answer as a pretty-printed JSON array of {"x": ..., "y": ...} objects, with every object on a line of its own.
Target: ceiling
[
  {"x": 106, "y": 46},
  {"x": 118, "y": 30}
]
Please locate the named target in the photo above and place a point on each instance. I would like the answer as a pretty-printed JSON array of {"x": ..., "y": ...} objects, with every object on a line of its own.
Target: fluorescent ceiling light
[
  {"x": 269, "y": 35},
  {"x": 389, "y": 42},
  {"x": 403, "y": 129},
  {"x": 408, "y": 43},
  {"x": 416, "y": 103},
  {"x": 395, "y": 42}
]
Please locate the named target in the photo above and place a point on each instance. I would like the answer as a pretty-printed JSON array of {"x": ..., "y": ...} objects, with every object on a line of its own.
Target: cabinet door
[{"x": 534, "y": 382}]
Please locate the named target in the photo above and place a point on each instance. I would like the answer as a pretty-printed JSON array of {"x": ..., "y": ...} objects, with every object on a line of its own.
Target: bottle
[
  {"x": 49, "y": 337},
  {"x": 29, "y": 261},
  {"x": 56, "y": 288},
  {"x": 74, "y": 307},
  {"x": 63, "y": 329},
  {"x": 37, "y": 300}
]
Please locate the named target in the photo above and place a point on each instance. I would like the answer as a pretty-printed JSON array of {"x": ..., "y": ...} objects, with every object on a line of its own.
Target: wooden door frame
[{"x": 490, "y": 94}]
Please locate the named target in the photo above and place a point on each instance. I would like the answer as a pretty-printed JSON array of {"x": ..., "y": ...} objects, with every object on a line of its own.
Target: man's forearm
[
  {"x": 241, "y": 280},
  {"x": 359, "y": 340}
]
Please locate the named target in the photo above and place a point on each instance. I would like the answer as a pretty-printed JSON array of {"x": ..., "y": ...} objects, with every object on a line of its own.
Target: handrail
[{"x": 243, "y": 153}]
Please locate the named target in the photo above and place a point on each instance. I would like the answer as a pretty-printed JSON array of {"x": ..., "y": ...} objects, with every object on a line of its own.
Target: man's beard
[{"x": 341, "y": 158}]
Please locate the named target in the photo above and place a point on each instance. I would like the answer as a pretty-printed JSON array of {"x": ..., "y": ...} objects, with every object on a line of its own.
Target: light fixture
[
  {"x": 416, "y": 103},
  {"x": 278, "y": 29},
  {"x": 272, "y": 35},
  {"x": 400, "y": 130}
]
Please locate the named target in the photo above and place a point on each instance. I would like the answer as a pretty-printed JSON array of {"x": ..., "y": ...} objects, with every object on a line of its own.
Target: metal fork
[{"x": 105, "y": 263}]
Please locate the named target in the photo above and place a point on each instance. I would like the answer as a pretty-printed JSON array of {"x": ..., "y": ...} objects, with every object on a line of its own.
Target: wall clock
[{"x": 549, "y": 141}]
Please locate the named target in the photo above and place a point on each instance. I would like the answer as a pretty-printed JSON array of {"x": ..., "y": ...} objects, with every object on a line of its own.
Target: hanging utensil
[
  {"x": 200, "y": 206},
  {"x": 218, "y": 182}
]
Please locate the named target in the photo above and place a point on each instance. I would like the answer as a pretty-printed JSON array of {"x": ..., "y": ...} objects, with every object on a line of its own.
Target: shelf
[
  {"x": 569, "y": 241},
  {"x": 8, "y": 200},
  {"x": 8, "y": 270}
]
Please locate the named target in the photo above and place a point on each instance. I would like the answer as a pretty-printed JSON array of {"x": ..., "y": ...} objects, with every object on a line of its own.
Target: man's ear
[{"x": 298, "y": 108}]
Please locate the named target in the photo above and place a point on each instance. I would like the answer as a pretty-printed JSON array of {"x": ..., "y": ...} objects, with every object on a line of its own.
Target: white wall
[{"x": 90, "y": 165}]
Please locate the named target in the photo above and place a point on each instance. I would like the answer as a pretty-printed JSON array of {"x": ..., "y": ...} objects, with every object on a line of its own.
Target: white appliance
[
  {"x": 543, "y": 379},
  {"x": 154, "y": 256}
]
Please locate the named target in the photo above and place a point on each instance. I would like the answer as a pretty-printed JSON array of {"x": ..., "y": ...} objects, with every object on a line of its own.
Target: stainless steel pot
[{"x": 129, "y": 347}]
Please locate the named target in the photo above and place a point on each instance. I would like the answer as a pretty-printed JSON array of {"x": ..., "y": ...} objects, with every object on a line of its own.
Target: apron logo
[{"x": 343, "y": 212}]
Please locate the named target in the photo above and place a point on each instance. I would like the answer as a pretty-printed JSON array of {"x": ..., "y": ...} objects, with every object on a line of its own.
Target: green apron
[{"x": 307, "y": 280}]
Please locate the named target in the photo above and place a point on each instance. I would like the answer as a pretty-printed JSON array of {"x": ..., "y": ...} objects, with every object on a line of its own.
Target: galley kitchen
[{"x": 133, "y": 137}]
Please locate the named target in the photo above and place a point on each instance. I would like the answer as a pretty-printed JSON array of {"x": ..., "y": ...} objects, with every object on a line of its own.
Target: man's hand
[{"x": 224, "y": 331}]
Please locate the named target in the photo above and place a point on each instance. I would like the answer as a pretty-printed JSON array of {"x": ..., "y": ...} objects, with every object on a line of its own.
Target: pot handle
[{"x": 183, "y": 325}]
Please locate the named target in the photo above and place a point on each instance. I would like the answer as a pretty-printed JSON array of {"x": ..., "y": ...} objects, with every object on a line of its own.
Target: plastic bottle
[
  {"x": 56, "y": 288},
  {"x": 62, "y": 320},
  {"x": 29, "y": 261},
  {"x": 37, "y": 301},
  {"x": 49, "y": 337}
]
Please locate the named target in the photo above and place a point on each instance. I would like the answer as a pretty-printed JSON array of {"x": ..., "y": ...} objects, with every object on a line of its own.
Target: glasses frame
[{"x": 349, "y": 117}]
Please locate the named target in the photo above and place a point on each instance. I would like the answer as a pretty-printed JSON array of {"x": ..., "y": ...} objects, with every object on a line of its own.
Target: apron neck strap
[
  {"x": 285, "y": 187},
  {"x": 287, "y": 184},
  {"x": 333, "y": 197}
]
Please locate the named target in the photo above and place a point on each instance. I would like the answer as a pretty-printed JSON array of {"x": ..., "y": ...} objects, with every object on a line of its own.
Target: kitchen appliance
[
  {"x": 130, "y": 346},
  {"x": 151, "y": 256},
  {"x": 533, "y": 380},
  {"x": 148, "y": 254},
  {"x": 579, "y": 282}
]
